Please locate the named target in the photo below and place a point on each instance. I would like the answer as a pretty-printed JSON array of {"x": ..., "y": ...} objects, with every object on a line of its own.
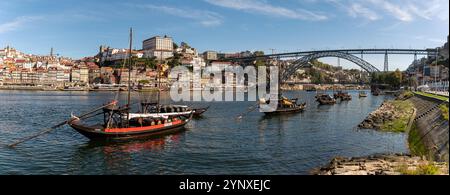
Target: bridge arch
[{"x": 303, "y": 62}]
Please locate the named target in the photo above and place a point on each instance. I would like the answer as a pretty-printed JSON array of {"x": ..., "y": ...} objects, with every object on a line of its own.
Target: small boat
[
  {"x": 285, "y": 106},
  {"x": 344, "y": 96},
  {"x": 362, "y": 94},
  {"x": 199, "y": 111},
  {"x": 325, "y": 99},
  {"x": 376, "y": 92},
  {"x": 77, "y": 88}
]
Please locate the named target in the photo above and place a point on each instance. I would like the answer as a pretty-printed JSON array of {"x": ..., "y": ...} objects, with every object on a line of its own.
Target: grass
[
  {"x": 416, "y": 146},
  {"x": 399, "y": 124},
  {"x": 422, "y": 169},
  {"x": 444, "y": 110},
  {"x": 406, "y": 94},
  {"x": 432, "y": 96}
]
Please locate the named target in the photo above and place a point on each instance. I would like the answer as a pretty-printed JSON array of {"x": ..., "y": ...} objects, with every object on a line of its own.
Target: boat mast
[
  {"x": 159, "y": 80},
  {"x": 279, "y": 78},
  {"x": 129, "y": 72}
]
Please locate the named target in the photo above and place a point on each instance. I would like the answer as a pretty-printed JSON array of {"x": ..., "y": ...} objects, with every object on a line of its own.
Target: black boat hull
[
  {"x": 298, "y": 108},
  {"x": 199, "y": 111}
]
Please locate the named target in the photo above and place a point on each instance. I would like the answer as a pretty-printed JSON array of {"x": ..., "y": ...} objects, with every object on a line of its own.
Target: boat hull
[
  {"x": 284, "y": 111},
  {"x": 199, "y": 111},
  {"x": 321, "y": 102},
  {"x": 298, "y": 108},
  {"x": 97, "y": 134}
]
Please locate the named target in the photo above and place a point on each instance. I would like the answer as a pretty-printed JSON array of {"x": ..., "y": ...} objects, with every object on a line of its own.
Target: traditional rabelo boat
[
  {"x": 325, "y": 99},
  {"x": 119, "y": 123},
  {"x": 344, "y": 96},
  {"x": 285, "y": 105}
]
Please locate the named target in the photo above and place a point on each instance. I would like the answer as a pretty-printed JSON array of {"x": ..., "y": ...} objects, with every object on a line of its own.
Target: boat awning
[{"x": 157, "y": 115}]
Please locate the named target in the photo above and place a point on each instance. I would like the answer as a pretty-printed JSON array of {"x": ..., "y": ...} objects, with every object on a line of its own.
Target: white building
[
  {"x": 112, "y": 54},
  {"x": 75, "y": 75},
  {"x": 84, "y": 74},
  {"x": 159, "y": 47}
]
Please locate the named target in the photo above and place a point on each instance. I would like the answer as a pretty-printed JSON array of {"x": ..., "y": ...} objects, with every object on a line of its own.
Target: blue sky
[{"x": 77, "y": 28}]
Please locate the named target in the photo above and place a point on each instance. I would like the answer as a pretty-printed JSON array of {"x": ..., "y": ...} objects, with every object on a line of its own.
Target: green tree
[
  {"x": 175, "y": 60},
  {"x": 393, "y": 79},
  {"x": 259, "y": 61},
  {"x": 145, "y": 62},
  {"x": 258, "y": 53},
  {"x": 398, "y": 78}
]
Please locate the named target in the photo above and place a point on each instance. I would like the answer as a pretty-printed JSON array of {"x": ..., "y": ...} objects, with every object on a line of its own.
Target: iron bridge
[{"x": 356, "y": 56}]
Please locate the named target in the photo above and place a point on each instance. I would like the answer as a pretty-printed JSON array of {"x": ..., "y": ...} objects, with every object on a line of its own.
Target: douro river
[{"x": 214, "y": 144}]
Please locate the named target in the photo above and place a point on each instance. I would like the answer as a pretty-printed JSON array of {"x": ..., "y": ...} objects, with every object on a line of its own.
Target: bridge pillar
[
  {"x": 415, "y": 58},
  {"x": 386, "y": 62}
]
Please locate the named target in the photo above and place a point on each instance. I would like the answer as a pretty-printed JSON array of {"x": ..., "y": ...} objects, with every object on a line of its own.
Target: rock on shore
[
  {"x": 382, "y": 164},
  {"x": 386, "y": 112}
]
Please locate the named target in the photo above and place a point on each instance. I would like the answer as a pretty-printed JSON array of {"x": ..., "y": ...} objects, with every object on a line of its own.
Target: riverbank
[
  {"x": 383, "y": 164},
  {"x": 425, "y": 121},
  {"x": 392, "y": 116}
]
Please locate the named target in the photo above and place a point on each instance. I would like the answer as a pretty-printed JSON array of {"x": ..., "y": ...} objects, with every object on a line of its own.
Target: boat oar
[
  {"x": 250, "y": 109},
  {"x": 58, "y": 125}
]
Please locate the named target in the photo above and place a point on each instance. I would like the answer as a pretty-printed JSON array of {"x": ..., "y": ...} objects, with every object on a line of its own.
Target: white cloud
[
  {"x": 401, "y": 10},
  {"x": 18, "y": 23},
  {"x": 356, "y": 10},
  {"x": 430, "y": 9},
  {"x": 262, "y": 7},
  {"x": 395, "y": 10},
  {"x": 205, "y": 18}
]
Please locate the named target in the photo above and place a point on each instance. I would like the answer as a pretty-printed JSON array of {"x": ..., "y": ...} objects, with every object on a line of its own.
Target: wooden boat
[
  {"x": 344, "y": 96},
  {"x": 376, "y": 92},
  {"x": 116, "y": 126},
  {"x": 120, "y": 123},
  {"x": 325, "y": 99},
  {"x": 286, "y": 106},
  {"x": 362, "y": 94},
  {"x": 199, "y": 111}
]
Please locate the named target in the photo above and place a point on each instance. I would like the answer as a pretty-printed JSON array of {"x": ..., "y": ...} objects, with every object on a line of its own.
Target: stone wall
[{"x": 432, "y": 127}]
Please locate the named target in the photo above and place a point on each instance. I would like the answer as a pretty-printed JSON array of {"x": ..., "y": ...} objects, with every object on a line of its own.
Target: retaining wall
[{"x": 432, "y": 127}]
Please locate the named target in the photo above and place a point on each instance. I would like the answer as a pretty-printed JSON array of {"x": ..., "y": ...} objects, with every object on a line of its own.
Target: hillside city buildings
[
  {"x": 427, "y": 73},
  {"x": 107, "y": 66}
]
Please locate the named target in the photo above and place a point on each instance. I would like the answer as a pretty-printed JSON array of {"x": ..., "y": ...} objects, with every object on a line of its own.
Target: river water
[{"x": 214, "y": 144}]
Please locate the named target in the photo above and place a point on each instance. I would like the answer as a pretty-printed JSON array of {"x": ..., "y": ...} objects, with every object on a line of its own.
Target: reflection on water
[{"x": 217, "y": 143}]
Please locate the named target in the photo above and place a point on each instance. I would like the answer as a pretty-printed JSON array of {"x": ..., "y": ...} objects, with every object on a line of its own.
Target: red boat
[{"x": 116, "y": 126}]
